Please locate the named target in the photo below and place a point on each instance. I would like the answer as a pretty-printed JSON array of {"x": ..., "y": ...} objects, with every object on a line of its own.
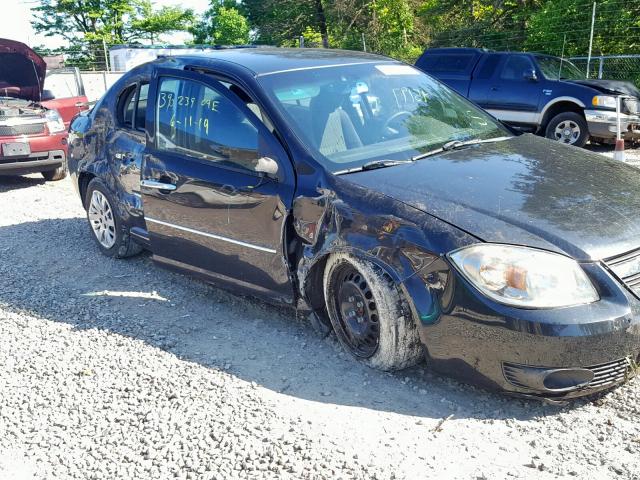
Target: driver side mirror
[
  {"x": 531, "y": 75},
  {"x": 268, "y": 167}
]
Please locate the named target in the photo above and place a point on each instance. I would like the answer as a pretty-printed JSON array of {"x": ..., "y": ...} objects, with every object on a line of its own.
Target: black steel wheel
[
  {"x": 357, "y": 312},
  {"x": 369, "y": 315}
]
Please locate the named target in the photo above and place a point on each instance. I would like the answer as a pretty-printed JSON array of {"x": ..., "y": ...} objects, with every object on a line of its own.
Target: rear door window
[
  {"x": 132, "y": 106},
  {"x": 141, "y": 106},
  {"x": 488, "y": 67},
  {"x": 449, "y": 63}
]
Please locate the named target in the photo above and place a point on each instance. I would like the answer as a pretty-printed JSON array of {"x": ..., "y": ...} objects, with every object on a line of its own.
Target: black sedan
[{"x": 406, "y": 219}]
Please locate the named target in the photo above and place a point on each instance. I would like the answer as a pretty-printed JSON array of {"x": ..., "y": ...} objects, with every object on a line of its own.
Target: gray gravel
[{"x": 120, "y": 370}]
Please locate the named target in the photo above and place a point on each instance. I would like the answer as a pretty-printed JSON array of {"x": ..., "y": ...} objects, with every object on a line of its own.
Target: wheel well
[
  {"x": 557, "y": 108},
  {"x": 83, "y": 181},
  {"x": 314, "y": 287}
]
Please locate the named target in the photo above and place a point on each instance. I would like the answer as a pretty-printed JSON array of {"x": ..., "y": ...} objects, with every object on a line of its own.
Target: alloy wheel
[
  {"x": 567, "y": 132},
  {"x": 101, "y": 219}
]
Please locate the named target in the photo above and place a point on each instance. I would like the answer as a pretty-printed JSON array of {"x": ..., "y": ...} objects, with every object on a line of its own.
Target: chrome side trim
[
  {"x": 515, "y": 116},
  {"x": 211, "y": 235}
]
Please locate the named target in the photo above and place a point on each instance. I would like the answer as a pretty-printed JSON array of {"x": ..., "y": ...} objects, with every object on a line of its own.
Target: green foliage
[
  {"x": 281, "y": 22},
  {"x": 114, "y": 21},
  {"x": 222, "y": 24},
  {"x": 399, "y": 28},
  {"x": 616, "y": 28},
  {"x": 230, "y": 27},
  {"x": 89, "y": 24},
  {"x": 150, "y": 23}
]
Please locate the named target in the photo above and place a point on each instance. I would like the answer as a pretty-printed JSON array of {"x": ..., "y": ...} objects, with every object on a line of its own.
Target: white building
[{"x": 123, "y": 58}]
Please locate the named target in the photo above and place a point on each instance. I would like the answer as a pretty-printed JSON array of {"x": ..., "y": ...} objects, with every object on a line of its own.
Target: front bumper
[
  {"x": 482, "y": 342},
  {"x": 603, "y": 124},
  {"x": 48, "y": 152},
  {"x": 33, "y": 163}
]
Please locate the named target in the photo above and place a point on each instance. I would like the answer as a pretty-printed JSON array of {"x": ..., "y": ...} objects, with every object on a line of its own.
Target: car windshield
[
  {"x": 352, "y": 115},
  {"x": 554, "y": 68}
]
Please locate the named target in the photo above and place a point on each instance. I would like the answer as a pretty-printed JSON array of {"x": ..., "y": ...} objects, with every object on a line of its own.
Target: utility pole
[
  {"x": 106, "y": 56},
  {"x": 593, "y": 21}
]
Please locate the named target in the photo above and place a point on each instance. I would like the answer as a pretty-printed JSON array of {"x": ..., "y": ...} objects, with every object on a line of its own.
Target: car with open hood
[
  {"x": 34, "y": 121},
  {"x": 400, "y": 215}
]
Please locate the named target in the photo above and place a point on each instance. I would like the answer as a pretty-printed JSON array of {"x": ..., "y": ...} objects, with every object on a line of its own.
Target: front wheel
[
  {"x": 369, "y": 315},
  {"x": 568, "y": 127}
]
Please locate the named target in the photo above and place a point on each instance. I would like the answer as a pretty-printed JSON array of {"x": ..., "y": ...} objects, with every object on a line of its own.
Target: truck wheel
[
  {"x": 369, "y": 315},
  {"x": 53, "y": 175},
  {"x": 105, "y": 224},
  {"x": 568, "y": 127}
]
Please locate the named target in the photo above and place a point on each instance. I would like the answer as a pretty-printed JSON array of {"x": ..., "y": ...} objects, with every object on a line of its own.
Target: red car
[{"x": 34, "y": 121}]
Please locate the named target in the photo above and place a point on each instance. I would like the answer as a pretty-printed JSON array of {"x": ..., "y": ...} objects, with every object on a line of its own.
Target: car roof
[
  {"x": 456, "y": 50},
  {"x": 267, "y": 60}
]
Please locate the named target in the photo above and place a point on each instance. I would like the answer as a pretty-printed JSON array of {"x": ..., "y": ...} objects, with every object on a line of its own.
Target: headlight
[
  {"x": 524, "y": 277},
  {"x": 54, "y": 121},
  {"x": 605, "y": 101}
]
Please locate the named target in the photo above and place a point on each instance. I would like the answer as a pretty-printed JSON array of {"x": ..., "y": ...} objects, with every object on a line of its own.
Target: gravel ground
[
  {"x": 631, "y": 154},
  {"x": 116, "y": 369}
]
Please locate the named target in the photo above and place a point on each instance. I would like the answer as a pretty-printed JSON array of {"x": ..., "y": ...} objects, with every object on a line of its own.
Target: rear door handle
[
  {"x": 157, "y": 185},
  {"x": 123, "y": 155}
]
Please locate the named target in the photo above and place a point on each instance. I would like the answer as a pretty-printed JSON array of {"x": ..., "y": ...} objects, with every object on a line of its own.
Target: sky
[{"x": 19, "y": 26}]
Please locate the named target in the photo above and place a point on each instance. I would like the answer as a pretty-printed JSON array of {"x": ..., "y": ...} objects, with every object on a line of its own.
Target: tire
[
  {"x": 105, "y": 225},
  {"x": 575, "y": 126},
  {"x": 353, "y": 286},
  {"x": 55, "y": 175}
]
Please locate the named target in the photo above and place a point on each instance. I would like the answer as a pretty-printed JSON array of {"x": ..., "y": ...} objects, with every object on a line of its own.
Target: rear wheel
[
  {"x": 106, "y": 226},
  {"x": 568, "y": 127},
  {"x": 369, "y": 315},
  {"x": 57, "y": 174}
]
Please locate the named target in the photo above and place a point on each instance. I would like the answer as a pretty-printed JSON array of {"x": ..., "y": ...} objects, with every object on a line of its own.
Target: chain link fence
[{"x": 611, "y": 67}]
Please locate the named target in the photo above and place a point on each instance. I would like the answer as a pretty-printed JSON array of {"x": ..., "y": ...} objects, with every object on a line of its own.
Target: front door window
[{"x": 195, "y": 120}]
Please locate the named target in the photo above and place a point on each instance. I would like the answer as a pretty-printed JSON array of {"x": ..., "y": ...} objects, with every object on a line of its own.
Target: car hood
[
  {"x": 526, "y": 191},
  {"x": 611, "y": 86},
  {"x": 22, "y": 71}
]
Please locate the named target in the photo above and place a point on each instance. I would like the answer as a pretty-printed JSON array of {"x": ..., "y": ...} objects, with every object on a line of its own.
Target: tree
[
  {"x": 281, "y": 22},
  {"x": 114, "y": 21},
  {"x": 222, "y": 24},
  {"x": 88, "y": 24},
  {"x": 151, "y": 24},
  {"x": 616, "y": 28}
]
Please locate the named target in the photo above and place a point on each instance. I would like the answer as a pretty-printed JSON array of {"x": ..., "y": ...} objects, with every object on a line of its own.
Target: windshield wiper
[
  {"x": 374, "y": 165},
  {"x": 452, "y": 145},
  {"x": 455, "y": 144}
]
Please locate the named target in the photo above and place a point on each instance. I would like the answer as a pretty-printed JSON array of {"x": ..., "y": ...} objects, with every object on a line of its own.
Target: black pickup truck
[{"x": 539, "y": 93}]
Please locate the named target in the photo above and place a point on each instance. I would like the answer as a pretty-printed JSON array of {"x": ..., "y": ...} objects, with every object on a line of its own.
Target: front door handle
[{"x": 157, "y": 185}]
